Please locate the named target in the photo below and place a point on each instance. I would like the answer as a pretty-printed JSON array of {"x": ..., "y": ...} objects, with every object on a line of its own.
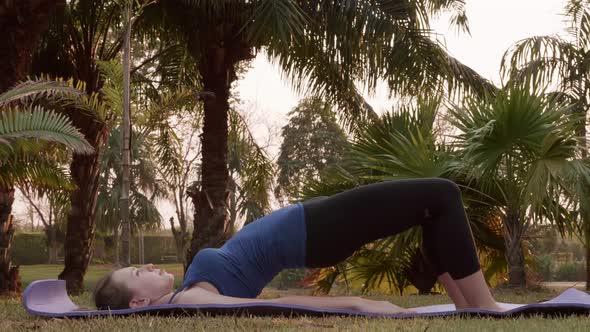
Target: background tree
[
  {"x": 28, "y": 127},
  {"x": 517, "y": 144},
  {"x": 21, "y": 22},
  {"x": 92, "y": 32},
  {"x": 404, "y": 143},
  {"x": 126, "y": 137},
  {"x": 175, "y": 118},
  {"x": 360, "y": 41},
  {"x": 51, "y": 206},
  {"x": 144, "y": 189},
  {"x": 129, "y": 19},
  {"x": 144, "y": 185},
  {"x": 251, "y": 173},
  {"x": 312, "y": 141},
  {"x": 564, "y": 63}
]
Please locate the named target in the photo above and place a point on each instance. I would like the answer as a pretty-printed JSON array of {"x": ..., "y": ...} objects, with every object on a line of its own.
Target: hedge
[{"x": 31, "y": 249}]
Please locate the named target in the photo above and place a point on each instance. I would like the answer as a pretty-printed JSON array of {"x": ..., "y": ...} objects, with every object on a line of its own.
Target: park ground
[{"x": 14, "y": 317}]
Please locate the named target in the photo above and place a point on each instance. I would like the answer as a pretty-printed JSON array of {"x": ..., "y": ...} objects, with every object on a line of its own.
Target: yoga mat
[{"x": 49, "y": 298}]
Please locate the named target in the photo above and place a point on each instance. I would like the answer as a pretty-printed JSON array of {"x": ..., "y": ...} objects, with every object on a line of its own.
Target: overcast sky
[{"x": 494, "y": 25}]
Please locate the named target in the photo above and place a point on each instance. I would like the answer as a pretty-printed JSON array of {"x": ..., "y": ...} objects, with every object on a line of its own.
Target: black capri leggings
[{"x": 340, "y": 224}]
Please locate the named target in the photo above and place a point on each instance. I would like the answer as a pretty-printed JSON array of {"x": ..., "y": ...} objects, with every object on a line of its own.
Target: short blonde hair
[{"x": 109, "y": 295}]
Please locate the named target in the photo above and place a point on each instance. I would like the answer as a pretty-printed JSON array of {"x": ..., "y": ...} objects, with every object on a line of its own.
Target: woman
[{"x": 319, "y": 233}]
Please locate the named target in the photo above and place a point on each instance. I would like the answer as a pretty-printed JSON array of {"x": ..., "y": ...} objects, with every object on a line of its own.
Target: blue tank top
[{"x": 253, "y": 256}]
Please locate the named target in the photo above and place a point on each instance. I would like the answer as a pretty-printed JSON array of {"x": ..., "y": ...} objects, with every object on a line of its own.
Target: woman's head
[{"x": 132, "y": 287}]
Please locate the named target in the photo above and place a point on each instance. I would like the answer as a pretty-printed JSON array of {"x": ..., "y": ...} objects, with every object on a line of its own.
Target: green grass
[
  {"x": 14, "y": 318},
  {"x": 31, "y": 273}
]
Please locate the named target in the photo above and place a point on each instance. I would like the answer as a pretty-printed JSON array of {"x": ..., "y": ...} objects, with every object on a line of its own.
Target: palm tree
[
  {"x": 28, "y": 127},
  {"x": 403, "y": 144},
  {"x": 176, "y": 114},
  {"x": 21, "y": 23},
  {"x": 172, "y": 118},
  {"x": 553, "y": 59},
  {"x": 91, "y": 32},
  {"x": 251, "y": 173},
  {"x": 517, "y": 144},
  {"x": 563, "y": 62},
  {"x": 142, "y": 210},
  {"x": 53, "y": 218},
  {"x": 143, "y": 190},
  {"x": 329, "y": 45}
]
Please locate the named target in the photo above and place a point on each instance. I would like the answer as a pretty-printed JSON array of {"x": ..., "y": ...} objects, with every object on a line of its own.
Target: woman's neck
[{"x": 163, "y": 299}]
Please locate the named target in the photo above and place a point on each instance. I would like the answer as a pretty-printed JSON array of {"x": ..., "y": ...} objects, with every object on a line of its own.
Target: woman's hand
[{"x": 380, "y": 307}]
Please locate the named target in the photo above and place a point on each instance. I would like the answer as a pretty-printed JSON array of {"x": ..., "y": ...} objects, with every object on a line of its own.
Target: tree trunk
[
  {"x": 584, "y": 147},
  {"x": 180, "y": 242},
  {"x": 587, "y": 243},
  {"x": 233, "y": 203},
  {"x": 140, "y": 249},
  {"x": 513, "y": 232},
  {"x": 52, "y": 241},
  {"x": 9, "y": 277},
  {"x": 126, "y": 142},
  {"x": 81, "y": 218},
  {"x": 210, "y": 218},
  {"x": 116, "y": 246}
]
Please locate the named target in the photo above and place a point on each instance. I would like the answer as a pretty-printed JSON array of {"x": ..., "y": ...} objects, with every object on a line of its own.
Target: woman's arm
[
  {"x": 344, "y": 302},
  {"x": 197, "y": 295},
  {"x": 340, "y": 302}
]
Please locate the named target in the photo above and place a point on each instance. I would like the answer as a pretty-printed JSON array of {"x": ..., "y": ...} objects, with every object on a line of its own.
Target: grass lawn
[
  {"x": 14, "y": 318},
  {"x": 30, "y": 273}
]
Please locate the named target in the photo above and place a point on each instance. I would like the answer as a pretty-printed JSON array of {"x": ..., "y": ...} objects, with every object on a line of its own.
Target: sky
[{"x": 494, "y": 25}]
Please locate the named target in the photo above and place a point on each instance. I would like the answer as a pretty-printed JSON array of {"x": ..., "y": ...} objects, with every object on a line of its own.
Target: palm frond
[
  {"x": 112, "y": 91},
  {"x": 39, "y": 124},
  {"x": 402, "y": 145},
  {"x": 578, "y": 12},
  {"x": 108, "y": 213},
  {"x": 416, "y": 63},
  {"x": 541, "y": 57},
  {"x": 456, "y": 7},
  {"x": 37, "y": 89},
  {"x": 276, "y": 22},
  {"x": 514, "y": 123},
  {"x": 144, "y": 212},
  {"x": 36, "y": 169},
  {"x": 313, "y": 73},
  {"x": 211, "y": 6},
  {"x": 254, "y": 167}
]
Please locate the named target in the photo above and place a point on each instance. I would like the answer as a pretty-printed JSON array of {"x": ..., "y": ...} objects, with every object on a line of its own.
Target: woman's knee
[
  {"x": 446, "y": 187},
  {"x": 446, "y": 196}
]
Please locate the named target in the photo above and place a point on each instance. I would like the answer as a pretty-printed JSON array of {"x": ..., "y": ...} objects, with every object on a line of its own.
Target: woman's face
[{"x": 145, "y": 282}]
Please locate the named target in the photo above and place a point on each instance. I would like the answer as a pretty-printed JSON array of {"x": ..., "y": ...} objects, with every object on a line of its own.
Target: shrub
[
  {"x": 29, "y": 249},
  {"x": 543, "y": 265},
  {"x": 573, "y": 271},
  {"x": 289, "y": 278}
]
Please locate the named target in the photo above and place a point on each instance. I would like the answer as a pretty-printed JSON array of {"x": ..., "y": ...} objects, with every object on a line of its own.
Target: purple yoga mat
[{"x": 49, "y": 298}]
